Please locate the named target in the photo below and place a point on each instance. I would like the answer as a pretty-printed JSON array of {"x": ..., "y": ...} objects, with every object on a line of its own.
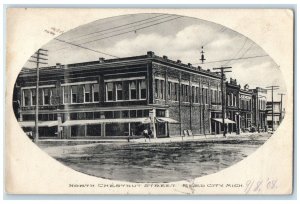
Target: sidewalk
[{"x": 204, "y": 138}]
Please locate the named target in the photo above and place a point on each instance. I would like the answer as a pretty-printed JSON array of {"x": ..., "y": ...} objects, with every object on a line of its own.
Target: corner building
[{"x": 119, "y": 97}]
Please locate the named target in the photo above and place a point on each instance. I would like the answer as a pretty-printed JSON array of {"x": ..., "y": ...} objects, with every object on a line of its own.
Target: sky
[{"x": 177, "y": 37}]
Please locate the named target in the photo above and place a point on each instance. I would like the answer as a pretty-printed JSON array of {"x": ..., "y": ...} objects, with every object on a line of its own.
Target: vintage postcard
[{"x": 149, "y": 101}]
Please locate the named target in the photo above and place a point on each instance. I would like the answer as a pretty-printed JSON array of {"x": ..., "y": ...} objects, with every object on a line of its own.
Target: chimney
[
  {"x": 178, "y": 62},
  {"x": 58, "y": 65},
  {"x": 208, "y": 70},
  {"x": 165, "y": 57},
  {"x": 189, "y": 65},
  {"x": 101, "y": 59},
  {"x": 199, "y": 68},
  {"x": 150, "y": 54}
]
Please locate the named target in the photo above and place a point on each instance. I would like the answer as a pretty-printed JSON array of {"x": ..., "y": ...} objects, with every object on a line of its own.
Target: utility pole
[
  {"x": 281, "y": 95},
  {"x": 272, "y": 88},
  {"x": 222, "y": 71},
  {"x": 38, "y": 58}
]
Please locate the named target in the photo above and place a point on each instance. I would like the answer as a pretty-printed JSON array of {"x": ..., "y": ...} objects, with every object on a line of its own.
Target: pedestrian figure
[{"x": 145, "y": 133}]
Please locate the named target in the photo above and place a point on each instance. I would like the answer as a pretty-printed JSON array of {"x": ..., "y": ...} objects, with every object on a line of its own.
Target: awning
[
  {"x": 166, "y": 120},
  {"x": 226, "y": 120},
  {"x": 40, "y": 124},
  {"x": 99, "y": 121}
]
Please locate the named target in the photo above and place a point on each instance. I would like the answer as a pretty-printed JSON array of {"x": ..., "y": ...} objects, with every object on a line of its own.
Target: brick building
[{"x": 119, "y": 97}]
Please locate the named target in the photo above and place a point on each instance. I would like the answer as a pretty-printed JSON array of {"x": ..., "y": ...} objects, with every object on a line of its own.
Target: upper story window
[
  {"x": 33, "y": 97},
  {"x": 176, "y": 89},
  {"x": 109, "y": 91},
  {"x": 95, "y": 88},
  {"x": 156, "y": 88},
  {"x": 75, "y": 94},
  {"x": 169, "y": 90},
  {"x": 26, "y": 97},
  {"x": 143, "y": 89},
  {"x": 162, "y": 89},
  {"x": 46, "y": 96},
  {"x": 132, "y": 91},
  {"x": 66, "y": 94},
  {"x": 87, "y": 93},
  {"x": 119, "y": 90}
]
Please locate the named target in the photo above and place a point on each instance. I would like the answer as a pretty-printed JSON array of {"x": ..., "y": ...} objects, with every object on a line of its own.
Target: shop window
[
  {"x": 95, "y": 92},
  {"x": 109, "y": 91},
  {"x": 146, "y": 113},
  {"x": 117, "y": 114},
  {"x": 28, "y": 117},
  {"x": 87, "y": 93},
  {"x": 119, "y": 88},
  {"x": 48, "y": 131},
  {"x": 133, "y": 113},
  {"x": 108, "y": 114},
  {"x": 93, "y": 130},
  {"x": 139, "y": 113},
  {"x": 133, "y": 88},
  {"x": 89, "y": 115},
  {"x": 73, "y": 116},
  {"x": 125, "y": 114},
  {"x": 33, "y": 97},
  {"x": 77, "y": 131},
  {"x": 97, "y": 115},
  {"x": 160, "y": 113},
  {"x": 143, "y": 89}
]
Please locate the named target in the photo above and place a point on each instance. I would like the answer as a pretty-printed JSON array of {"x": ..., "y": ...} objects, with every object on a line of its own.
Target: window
[
  {"x": 193, "y": 94},
  {"x": 26, "y": 97},
  {"x": 182, "y": 92},
  {"x": 162, "y": 88},
  {"x": 143, "y": 89},
  {"x": 125, "y": 114},
  {"x": 109, "y": 91},
  {"x": 117, "y": 114},
  {"x": 66, "y": 93},
  {"x": 87, "y": 93},
  {"x": 133, "y": 113},
  {"x": 97, "y": 115},
  {"x": 89, "y": 115},
  {"x": 28, "y": 117},
  {"x": 156, "y": 88},
  {"x": 46, "y": 96},
  {"x": 160, "y": 113},
  {"x": 33, "y": 97},
  {"x": 197, "y": 95},
  {"x": 108, "y": 114},
  {"x": 74, "y": 91},
  {"x": 169, "y": 90},
  {"x": 187, "y": 93},
  {"x": 119, "y": 87},
  {"x": 95, "y": 88},
  {"x": 73, "y": 116},
  {"x": 77, "y": 131},
  {"x": 139, "y": 113},
  {"x": 176, "y": 91},
  {"x": 132, "y": 91},
  {"x": 93, "y": 130}
]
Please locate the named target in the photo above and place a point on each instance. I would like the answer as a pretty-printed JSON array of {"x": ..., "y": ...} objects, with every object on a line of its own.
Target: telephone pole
[
  {"x": 38, "y": 58},
  {"x": 222, "y": 71},
  {"x": 281, "y": 95},
  {"x": 272, "y": 88}
]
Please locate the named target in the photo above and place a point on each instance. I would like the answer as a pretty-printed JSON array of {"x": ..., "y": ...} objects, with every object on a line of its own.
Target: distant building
[
  {"x": 120, "y": 97},
  {"x": 277, "y": 115},
  {"x": 232, "y": 105},
  {"x": 260, "y": 108}
]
